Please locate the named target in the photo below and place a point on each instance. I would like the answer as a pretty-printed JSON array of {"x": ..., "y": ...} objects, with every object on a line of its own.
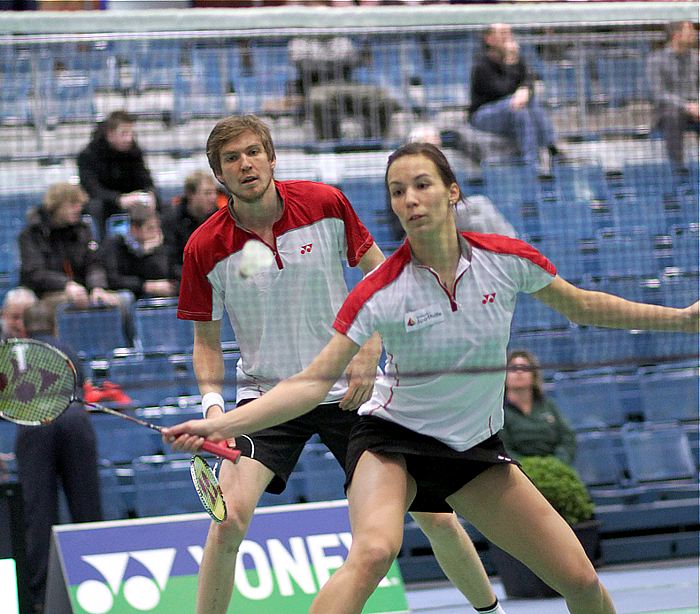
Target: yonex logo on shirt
[
  {"x": 306, "y": 248},
  {"x": 489, "y": 298}
]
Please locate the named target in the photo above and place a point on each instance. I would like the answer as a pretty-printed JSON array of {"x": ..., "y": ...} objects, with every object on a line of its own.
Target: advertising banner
[{"x": 151, "y": 565}]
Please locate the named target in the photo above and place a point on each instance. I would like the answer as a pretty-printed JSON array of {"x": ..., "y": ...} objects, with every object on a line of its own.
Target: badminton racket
[
  {"x": 38, "y": 382},
  {"x": 208, "y": 489}
]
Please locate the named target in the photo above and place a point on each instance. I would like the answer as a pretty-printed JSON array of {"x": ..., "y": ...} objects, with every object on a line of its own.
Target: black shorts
[
  {"x": 279, "y": 447},
  {"x": 438, "y": 470}
]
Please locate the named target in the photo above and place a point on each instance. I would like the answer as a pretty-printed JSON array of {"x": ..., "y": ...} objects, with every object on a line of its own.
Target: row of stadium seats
[{"x": 60, "y": 81}]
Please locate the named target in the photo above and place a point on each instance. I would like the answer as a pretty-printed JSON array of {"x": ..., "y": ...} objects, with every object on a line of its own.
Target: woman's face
[
  {"x": 68, "y": 213},
  {"x": 419, "y": 196},
  {"x": 519, "y": 375}
]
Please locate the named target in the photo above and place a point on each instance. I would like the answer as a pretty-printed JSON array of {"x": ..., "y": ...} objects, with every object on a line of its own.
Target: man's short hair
[
  {"x": 20, "y": 294},
  {"x": 232, "y": 127},
  {"x": 116, "y": 119},
  {"x": 140, "y": 214},
  {"x": 195, "y": 179}
]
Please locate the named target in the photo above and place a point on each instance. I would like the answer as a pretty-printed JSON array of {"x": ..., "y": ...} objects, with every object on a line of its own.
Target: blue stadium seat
[
  {"x": 657, "y": 452},
  {"x": 164, "y": 487},
  {"x": 598, "y": 458},
  {"x": 8, "y": 432},
  {"x": 195, "y": 97},
  {"x": 649, "y": 179},
  {"x": 569, "y": 257},
  {"x": 511, "y": 183},
  {"x": 568, "y": 220},
  {"x": 554, "y": 349},
  {"x": 16, "y": 101},
  {"x": 159, "y": 330},
  {"x": 187, "y": 382},
  {"x": 626, "y": 253},
  {"x": 94, "y": 332},
  {"x": 154, "y": 62},
  {"x": 685, "y": 242},
  {"x": 119, "y": 441},
  {"x": 580, "y": 182},
  {"x": 630, "y": 211},
  {"x": 321, "y": 475},
  {"x": 114, "y": 506},
  {"x": 597, "y": 347},
  {"x": 680, "y": 290},
  {"x": 589, "y": 400},
  {"x": 70, "y": 100},
  {"x": 146, "y": 379},
  {"x": 670, "y": 392},
  {"x": 561, "y": 82},
  {"x": 621, "y": 80},
  {"x": 533, "y": 315}
]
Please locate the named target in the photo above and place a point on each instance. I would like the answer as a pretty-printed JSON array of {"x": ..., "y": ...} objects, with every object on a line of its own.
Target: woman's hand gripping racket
[
  {"x": 38, "y": 383},
  {"x": 208, "y": 489}
]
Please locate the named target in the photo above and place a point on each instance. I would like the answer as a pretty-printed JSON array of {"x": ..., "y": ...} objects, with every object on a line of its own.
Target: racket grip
[{"x": 222, "y": 450}]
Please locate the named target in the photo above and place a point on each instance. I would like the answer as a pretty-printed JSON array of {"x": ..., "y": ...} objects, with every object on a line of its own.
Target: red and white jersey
[
  {"x": 446, "y": 350},
  {"x": 282, "y": 315}
]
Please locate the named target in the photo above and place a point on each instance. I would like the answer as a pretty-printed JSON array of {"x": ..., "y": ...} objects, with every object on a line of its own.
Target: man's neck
[{"x": 259, "y": 216}]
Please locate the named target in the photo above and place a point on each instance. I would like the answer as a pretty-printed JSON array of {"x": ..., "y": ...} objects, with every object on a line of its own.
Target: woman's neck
[
  {"x": 440, "y": 252},
  {"x": 522, "y": 398}
]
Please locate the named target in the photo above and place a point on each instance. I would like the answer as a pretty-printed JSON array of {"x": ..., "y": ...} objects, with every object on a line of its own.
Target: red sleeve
[
  {"x": 195, "y": 302},
  {"x": 357, "y": 236}
]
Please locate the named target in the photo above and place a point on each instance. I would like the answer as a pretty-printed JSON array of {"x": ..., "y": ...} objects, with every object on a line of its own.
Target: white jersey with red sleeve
[
  {"x": 446, "y": 349},
  {"x": 283, "y": 314}
]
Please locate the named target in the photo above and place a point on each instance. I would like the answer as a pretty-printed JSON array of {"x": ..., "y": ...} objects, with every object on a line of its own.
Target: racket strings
[{"x": 37, "y": 382}]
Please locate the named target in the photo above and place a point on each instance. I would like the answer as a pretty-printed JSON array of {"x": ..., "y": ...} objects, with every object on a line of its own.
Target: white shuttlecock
[{"x": 255, "y": 256}]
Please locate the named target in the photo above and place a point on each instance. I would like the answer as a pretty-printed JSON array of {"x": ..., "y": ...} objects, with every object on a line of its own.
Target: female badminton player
[{"x": 443, "y": 304}]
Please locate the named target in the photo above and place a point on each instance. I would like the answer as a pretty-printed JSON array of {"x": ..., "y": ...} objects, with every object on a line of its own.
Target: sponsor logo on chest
[{"x": 415, "y": 320}]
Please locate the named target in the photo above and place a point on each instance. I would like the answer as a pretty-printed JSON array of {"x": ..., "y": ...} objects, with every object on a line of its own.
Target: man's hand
[
  {"x": 520, "y": 98},
  {"x": 77, "y": 295},
  {"x": 100, "y": 296}
]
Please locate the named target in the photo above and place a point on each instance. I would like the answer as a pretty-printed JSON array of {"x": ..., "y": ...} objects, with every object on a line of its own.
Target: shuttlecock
[{"x": 255, "y": 256}]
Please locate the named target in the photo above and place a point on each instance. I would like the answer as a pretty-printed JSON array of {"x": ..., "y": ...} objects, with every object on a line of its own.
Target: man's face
[
  {"x": 148, "y": 231},
  {"x": 203, "y": 200},
  {"x": 122, "y": 137},
  {"x": 246, "y": 169},
  {"x": 500, "y": 37},
  {"x": 12, "y": 322}
]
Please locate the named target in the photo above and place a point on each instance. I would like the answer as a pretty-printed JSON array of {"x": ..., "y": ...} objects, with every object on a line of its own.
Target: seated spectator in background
[
  {"x": 533, "y": 424},
  {"x": 13, "y": 307},
  {"x": 113, "y": 171},
  {"x": 503, "y": 98},
  {"x": 138, "y": 261},
  {"x": 63, "y": 452},
  {"x": 330, "y": 94},
  {"x": 673, "y": 76},
  {"x": 196, "y": 204},
  {"x": 59, "y": 258}
]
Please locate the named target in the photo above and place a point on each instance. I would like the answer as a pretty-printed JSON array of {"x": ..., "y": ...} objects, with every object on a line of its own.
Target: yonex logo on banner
[{"x": 280, "y": 567}]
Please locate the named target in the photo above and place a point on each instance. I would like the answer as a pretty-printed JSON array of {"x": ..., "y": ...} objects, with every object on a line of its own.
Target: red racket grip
[{"x": 222, "y": 450}]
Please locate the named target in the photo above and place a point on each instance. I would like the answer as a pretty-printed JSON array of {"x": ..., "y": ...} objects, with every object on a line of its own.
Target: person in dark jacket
[
  {"x": 503, "y": 98},
  {"x": 138, "y": 261},
  {"x": 63, "y": 452},
  {"x": 196, "y": 204},
  {"x": 59, "y": 256},
  {"x": 533, "y": 424},
  {"x": 113, "y": 170}
]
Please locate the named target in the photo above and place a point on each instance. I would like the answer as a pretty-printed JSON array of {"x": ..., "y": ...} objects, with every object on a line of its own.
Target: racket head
[
  {"x": 208, "y": 489},
  {"x": 37, "y": 382}
]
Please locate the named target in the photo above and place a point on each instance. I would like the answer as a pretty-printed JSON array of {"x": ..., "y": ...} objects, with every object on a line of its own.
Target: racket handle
[{"x": 222, "y": 450}]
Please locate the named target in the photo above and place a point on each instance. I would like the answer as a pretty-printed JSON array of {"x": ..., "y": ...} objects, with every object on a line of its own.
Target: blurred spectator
[
  {"x": 329, "y": 92},
  {"x": 113, "y": 170},
  {"x": 533, "y": 424},
  {"x": 58, "y": 253},
  {"x": 673, "y": 75},
  {"x": 197, "y": 203},
  {"x": 13, "y": 307},
  {"x": 63, "y": 452},
  {"x": 138, "y": 261},
  {"x": 503, "y": 98}
]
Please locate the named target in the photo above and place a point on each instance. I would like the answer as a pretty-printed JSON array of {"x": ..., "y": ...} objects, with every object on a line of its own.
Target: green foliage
[{"x": 561, "y": 486}]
